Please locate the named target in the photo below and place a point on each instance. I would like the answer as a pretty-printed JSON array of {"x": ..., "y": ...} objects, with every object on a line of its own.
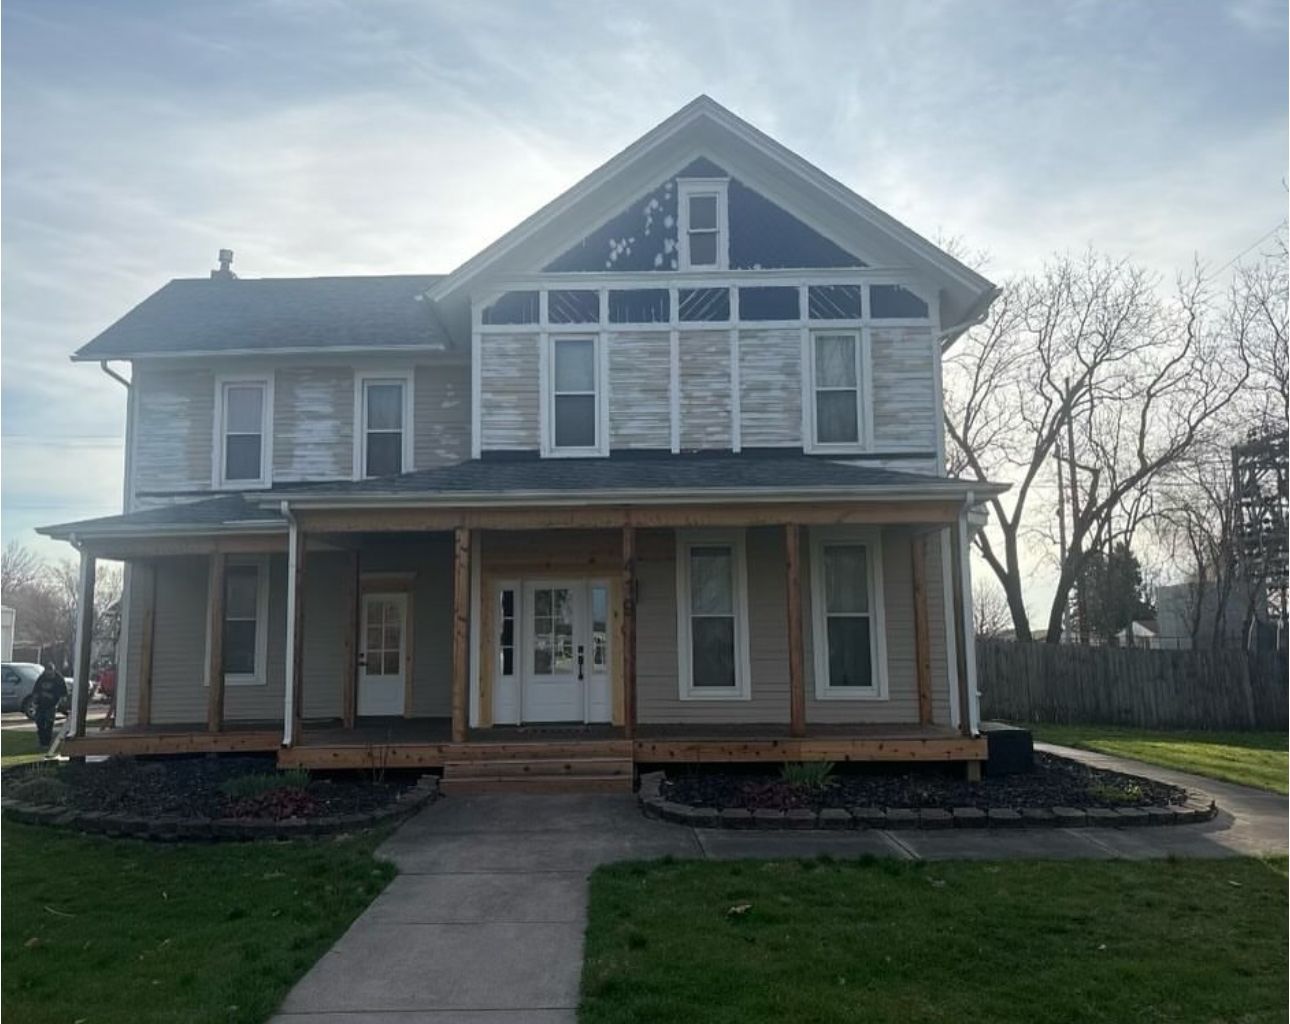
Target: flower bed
[
  {"x": 203, "y": 798},
  {"x": 1058, "y": 792}
]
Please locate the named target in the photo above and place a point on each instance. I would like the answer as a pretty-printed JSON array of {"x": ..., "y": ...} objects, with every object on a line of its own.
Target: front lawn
[
  {"x": 1248, "y": 758},
  {"x": 817, "y": 942},
  {"x": 110, "y": 931},
  {"x": 17, "y": 746}
]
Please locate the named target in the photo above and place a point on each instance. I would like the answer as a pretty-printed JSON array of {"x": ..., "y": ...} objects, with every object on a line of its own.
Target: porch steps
[{"x": 539, "y": 775}]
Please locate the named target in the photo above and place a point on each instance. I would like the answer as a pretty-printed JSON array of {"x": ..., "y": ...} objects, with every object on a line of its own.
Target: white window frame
[
  {"x": 260, "y": 676},
  {"x": 735, "y": 540},
  {"x": 863, "y": 389},
  {"x": 362, "y": 379},
  {"x": 871, "y": 539},
  {"x": 601, "y": 378},
  {"x": 687, "y": 188},
  {"x": 223, "y": 382}
]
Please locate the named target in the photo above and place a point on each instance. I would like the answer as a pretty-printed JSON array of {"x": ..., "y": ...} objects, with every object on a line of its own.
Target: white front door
[
  {"x": 382, "y": 665},
  {"x": 555, "y": 655}
]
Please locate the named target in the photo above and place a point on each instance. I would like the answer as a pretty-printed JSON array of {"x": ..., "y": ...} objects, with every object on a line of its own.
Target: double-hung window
[
  {"x": 704, "y": 239},
  {"x": 847, "y": 613},
  {"x": 243, "y": 430},
  {"x": 712, "y": 619},
  {"x": 838, "y": 388},
  {"x": 575, "y": 402},
  {"x": 383, "y": 428},
  {"x": 245, "y": 621}
]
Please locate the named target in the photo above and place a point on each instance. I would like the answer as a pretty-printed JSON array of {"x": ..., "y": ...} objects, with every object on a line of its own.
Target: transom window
[
  {"x": 704, "y": 234},
  {"x": 384, "y": 431},
  {"x": 846, "y": 606},
  {"x": 243, "y": 411},
  {"x": 712, "y": 617},
  {"x": 837, "y": 369},
  {"x": 575, "y": 398}
]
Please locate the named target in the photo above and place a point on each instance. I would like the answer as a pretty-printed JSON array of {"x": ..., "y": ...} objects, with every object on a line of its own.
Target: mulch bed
[
  {"x": 1055, "y": 782},
  {"x": 190, "y": 788}
]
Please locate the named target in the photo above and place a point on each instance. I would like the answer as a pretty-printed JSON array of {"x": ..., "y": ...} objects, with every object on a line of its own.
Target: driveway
[{"x": 484, "y": 924}]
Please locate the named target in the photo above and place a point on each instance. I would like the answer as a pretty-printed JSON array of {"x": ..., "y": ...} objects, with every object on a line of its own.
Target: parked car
[{"x": 16, "y": 681}]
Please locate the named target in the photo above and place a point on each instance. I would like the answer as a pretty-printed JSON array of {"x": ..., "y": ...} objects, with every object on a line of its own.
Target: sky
[{"x": 372, "y": 136}]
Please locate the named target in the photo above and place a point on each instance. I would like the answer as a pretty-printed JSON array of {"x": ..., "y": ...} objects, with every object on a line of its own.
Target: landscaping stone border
[
  {"x": 173, "y": 828},
  {"x": 833, "y": 818}
]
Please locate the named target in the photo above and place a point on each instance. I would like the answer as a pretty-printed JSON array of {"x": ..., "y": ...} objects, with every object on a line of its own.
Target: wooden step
[
  {"x": 537, "y": 784},
  {"x": 535, "y": 767}
]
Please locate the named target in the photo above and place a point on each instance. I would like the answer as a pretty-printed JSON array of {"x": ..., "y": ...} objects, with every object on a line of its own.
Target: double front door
[{"x": 564, "y": 657}]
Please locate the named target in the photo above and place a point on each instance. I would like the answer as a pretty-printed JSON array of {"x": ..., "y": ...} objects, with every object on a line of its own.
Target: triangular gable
[{"x": 643, "y": 237}]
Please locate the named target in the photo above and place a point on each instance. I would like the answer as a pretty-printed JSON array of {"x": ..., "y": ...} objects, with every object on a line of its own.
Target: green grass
[
  {"x": 1248, "y": 758},
  {"x": 17, "y": 746},
  {"x": 110, "y": 931},
  {"x": 887, "y": 942}
]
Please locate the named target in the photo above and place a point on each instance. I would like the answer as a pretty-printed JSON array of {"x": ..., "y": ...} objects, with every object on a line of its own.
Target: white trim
[
  {"x": 734, "y": 539},
  {"x": 951, "y": 645},
  {"x": 938, "y": 391},
  {"x": 871, "y": 539},
  {"x": 599, "y": 364},
  {"x": 260, "y": 676},
  {"x": 404, "y": 376},
  {"x": 476, "y": 382},
  {"x": 123, "y": 639},
  {"x": 863, "y": 389},
  {"x": 288, "y": 689},
  {"x": 690, "y": 188},
  {"x": 969, "y": 632},
  {"x": 223, "y": 382}
]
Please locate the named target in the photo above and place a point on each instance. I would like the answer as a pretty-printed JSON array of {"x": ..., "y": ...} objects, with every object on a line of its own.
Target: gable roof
[
  {"x": 705, "y": 128},
  {"x": 196, "y": 315}
]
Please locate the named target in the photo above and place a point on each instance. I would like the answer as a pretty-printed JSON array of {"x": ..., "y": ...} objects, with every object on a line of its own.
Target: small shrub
[
  {"x": 1104, "y": 793},
  {"x": 813, "y": 775},
  {"x": 244, "y": 787},
  {"x": 274, "y": 803},
  {"x": 42, "y": 788}
]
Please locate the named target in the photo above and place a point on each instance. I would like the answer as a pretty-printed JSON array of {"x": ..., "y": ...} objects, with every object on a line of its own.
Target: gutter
[{"x": 979, "y": 312}]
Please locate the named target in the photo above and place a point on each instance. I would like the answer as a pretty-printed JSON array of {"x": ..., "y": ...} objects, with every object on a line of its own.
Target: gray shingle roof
[
  {"x": 265, "y": 314},
  {"x": 226, "y": 510}
]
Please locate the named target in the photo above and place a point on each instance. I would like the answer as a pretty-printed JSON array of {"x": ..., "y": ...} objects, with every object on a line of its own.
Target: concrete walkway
[{"x": 484, "y": 924}]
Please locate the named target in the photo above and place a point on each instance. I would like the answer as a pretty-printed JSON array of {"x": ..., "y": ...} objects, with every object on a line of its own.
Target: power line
[{"x": 1259, "y": 241}]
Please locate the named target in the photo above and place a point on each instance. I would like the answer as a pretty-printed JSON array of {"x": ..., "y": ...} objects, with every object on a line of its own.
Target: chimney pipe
[{"x": 225, "y": 271}]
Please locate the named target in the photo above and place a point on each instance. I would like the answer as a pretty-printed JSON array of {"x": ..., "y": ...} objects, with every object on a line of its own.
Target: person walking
[{"x": 47, "y": 692}]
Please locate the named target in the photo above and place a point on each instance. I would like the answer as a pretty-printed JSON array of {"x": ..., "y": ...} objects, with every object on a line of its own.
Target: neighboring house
[
  {"x": 1139, "y": 633},
  {"x": 1221, "y": 622},
  {"x": 664, "y": 465}
]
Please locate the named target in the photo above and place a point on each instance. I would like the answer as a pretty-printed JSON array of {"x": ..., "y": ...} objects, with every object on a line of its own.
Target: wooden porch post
[
  {"x": 296, "y": 630},
  {"x": 215, "y": 630},
  {"x": 148, "y": 578},
  {"x": 629, "y": 631},
  {"x": 349, "y": 669},
  {"x": 922, "y": 642},
  {"x": 84, "y": 642},
  {"x": 796, "y": 666},
  {"x": 460, "y": 632}
]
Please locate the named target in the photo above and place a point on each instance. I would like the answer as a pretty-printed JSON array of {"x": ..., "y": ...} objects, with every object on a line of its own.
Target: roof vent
[{"x": 225, "y": 272}]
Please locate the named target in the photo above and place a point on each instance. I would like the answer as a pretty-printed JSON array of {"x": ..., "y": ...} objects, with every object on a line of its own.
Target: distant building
[{"x": 1176, "y": 608}]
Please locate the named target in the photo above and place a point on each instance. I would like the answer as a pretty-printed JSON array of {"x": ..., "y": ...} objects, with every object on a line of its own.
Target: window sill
[
  {"x": 574, "y": 453},
  {"x": 239, "y": 680},
  {"x": 848, "y": 694},
  {"x": 838, "y": 449},
  {"x": 702, "y": 694},
  {"x": 243, "y": 485}
]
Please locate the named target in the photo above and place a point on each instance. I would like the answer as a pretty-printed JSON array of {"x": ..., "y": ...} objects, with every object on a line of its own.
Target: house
[
  {"x": 1139, "y": 633},
  {"x": 657, "y": 476}
]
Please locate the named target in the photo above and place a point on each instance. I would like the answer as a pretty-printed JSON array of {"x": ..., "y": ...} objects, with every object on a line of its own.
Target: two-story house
[{"x": 657, "y": 476}]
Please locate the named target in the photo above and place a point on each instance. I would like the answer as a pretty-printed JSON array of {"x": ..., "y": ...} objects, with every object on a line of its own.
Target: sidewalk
[{"x": 484, "y": 924}]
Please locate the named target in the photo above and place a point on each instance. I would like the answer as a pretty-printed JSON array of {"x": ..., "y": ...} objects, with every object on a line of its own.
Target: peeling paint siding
[
  {"x": 325, "y": 621},
  {"x": 770, "y": 388},
  {"x": 705, "y": 389},
  {"x": 640, "y": 412},
  {"x": 904, "y": 390},
  {"x": 173, "y": 435},
  {"x": 441, "y": 417},
  {"x": 511, "y": 389},
  {"x": 313, "y": 423},
  {"x": 140, "y": 588}
]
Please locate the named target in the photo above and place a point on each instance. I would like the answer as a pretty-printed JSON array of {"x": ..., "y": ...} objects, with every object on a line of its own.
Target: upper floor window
[
  {"x": 243, "y": 432},
  {"x": 383, "y": 434},
  {"x": 575, "y": 397},
  {"x": 837, "y": 373},
  {"x": 704, "y": 229}
]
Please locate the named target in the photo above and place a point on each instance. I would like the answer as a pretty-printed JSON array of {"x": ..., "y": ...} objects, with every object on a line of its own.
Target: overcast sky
[{"x": 318, "y": 137}]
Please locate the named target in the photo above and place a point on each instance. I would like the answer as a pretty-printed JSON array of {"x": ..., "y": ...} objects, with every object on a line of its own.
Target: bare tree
[
  {"x": 19, "y": 567},
  {"x": 990, "y": 615}
]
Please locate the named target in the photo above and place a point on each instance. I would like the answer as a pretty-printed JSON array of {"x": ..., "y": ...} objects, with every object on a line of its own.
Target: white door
[
  {"x": 381, "y": 663},
  {"x": 553, "y": 690}
]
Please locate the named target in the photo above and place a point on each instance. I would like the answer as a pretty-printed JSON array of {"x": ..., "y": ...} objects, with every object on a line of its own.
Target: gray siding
[
  {"x": 770, "y": 388},
  {"x": 313, "y": 423},
  {"x": 705, "y": 389},
  {"x": 174, "y": 427},
  {"x": 640, "y": 408},
  {"x": 511, "y": 388},
  {"x": 441, "y": 416},
  {"x": 905, "y": 416}
]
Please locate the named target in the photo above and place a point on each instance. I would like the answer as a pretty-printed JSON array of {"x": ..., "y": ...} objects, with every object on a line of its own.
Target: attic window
[
  {"x": 895, "y": 302},
  {"x": 704, "y": 223}
]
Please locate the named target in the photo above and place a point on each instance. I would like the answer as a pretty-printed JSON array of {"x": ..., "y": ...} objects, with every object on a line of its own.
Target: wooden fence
[{"x": 1038, "y": 682}]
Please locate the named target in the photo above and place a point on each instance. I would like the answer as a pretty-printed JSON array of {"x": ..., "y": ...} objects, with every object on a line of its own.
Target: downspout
[{"x": 289, "y": 690}]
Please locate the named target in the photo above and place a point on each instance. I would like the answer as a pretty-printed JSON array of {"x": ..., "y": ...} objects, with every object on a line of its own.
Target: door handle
[{"x": 580, "y": 661}]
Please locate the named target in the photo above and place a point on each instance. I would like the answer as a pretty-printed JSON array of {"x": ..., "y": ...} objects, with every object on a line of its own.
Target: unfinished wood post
[
  {"x": 296, "y": 630},
  {"x": 460, "y": 632},
  {"x": 215, "y": 630},
  {"x": 349, "y": 666},
  {"x": 148, "y": 578},
  {"x": 796, "y": 661},
  {"x": 960, "y": 630},
  {"x": 84, "y": 643},
  {"x": 922, "y": 640},
  {"x": 629, "y": 631}
]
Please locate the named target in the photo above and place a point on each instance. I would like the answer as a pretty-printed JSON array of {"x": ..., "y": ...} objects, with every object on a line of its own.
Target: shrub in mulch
[
  {"x": 1055, "y": 782},
  {"x": 198, "y": 787}
]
